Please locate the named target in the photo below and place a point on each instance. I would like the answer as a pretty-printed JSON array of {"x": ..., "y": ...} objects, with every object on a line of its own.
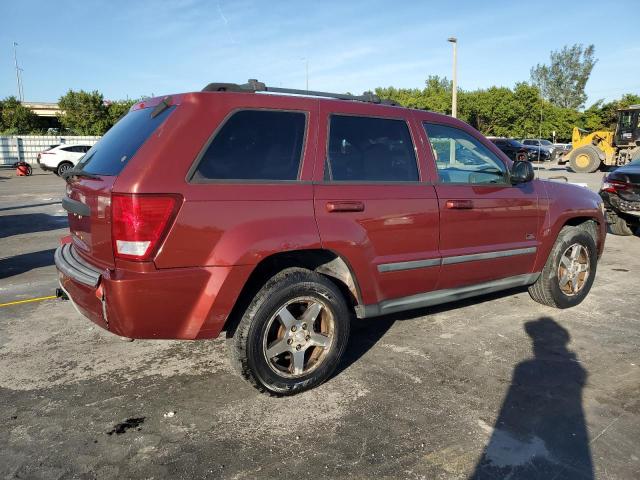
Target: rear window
[
  {"x": 110, "y": 155},
  {"x": 258, "y": 145}
]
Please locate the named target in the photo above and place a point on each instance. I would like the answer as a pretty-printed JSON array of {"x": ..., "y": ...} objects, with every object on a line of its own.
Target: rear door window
[
  {"x": 368, "y": 149},
  {"x": 255, "y": 145},
  {"x": 110, "y": 155}
]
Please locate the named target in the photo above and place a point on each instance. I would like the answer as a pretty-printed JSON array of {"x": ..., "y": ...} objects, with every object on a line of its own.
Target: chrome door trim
[
  {"x": 488, "y": 255},
  {"x": 434, "y": 262},
  {"x": 394, "y": 267}
]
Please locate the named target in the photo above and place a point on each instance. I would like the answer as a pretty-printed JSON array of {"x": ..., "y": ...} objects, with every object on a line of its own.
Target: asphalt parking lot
[{"x": 493, "y": 387}]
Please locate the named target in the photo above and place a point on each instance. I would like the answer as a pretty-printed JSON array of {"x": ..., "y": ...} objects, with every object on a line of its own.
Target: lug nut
[
  {"x": 290, "y": 341},
  {"x": 304, "y": 326},
  {"x": 294, "y": 328},
  {"x": 307, "y": 338},
  {"x": 298, "y": 347}
]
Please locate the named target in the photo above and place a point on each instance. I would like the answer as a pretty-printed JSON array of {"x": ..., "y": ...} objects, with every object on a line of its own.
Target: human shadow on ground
[{"x": 540, "y": 432}]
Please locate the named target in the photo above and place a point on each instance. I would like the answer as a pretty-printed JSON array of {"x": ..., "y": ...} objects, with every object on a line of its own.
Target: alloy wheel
[
  {"x": 298, "y": 337},
  {"x": 574, "y": 269}
]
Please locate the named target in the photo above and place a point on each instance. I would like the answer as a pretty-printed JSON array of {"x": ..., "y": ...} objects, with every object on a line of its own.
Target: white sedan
[{"x": 60, "y": 158}]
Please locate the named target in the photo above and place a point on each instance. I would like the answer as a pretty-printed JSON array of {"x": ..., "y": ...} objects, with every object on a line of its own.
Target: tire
[
  {"x": 550, "y": 289},
  {"x": 620, "y": 227},
  {"x": 275, "y": 321},
  {"x": 63, "y": 167},
  {"x": 584, "y": 160}
]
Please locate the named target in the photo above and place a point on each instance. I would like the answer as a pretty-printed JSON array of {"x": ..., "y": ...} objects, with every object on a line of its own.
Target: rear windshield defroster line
[{"x": 110, "y": 155}]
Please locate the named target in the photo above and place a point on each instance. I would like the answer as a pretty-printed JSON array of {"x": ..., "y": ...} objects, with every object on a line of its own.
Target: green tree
[
  {"x": 563, "y": 80},
  {"x": 117, "y": 109},
  {"x": 436, "y": 96},
  {"x": 16, "y": 119},
  {"x": 491, "y": 111},
  {"x": 84, "y": 113}
]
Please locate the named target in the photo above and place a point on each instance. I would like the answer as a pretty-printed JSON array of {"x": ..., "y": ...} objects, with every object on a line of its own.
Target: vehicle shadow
[
  {"x": 365, "y": 333},
  {"x": 23, "y": 263},
  {"x": 30, "y": 223},
  {"x": 540, "y": 432},
  {"x": 17, "y": 207}
]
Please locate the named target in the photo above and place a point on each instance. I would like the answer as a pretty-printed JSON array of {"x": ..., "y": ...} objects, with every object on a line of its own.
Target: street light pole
[{"x": 454, "y": 92}]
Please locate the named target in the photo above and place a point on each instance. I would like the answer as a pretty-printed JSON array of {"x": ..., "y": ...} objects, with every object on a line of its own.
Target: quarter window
[
  {"x": 461, "y": 158},
  {"x": 255, "y": 145},
  {"x": 370, "y": 149}
]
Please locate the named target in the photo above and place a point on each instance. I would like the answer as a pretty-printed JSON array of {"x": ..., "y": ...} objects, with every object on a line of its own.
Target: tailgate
[{"x": 88, "y": 204}]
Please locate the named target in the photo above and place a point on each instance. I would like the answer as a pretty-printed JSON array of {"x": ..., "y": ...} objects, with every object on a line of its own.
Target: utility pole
[
  {"x": 306, "y": 68},
  {"x": 454, "y": 92},
  {"x": 18, "y": 81}
]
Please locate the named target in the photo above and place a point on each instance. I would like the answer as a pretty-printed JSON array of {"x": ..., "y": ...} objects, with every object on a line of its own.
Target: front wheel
[
  {"x": 568, "y": 275},
  {"x": 293, "y": 334}
]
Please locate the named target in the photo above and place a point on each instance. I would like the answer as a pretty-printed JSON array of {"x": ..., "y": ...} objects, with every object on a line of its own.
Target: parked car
[
  {"x": 277, "y": 218},
  {"x": 537, "y": 154},
  {"x": 620, "y": 191},
  {"x": 543, "y": 144},
  {"x": 511, "y": 148},
  {"x": 60, "y": 158}
]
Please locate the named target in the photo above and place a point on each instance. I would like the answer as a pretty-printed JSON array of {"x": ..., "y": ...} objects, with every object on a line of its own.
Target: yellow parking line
[{"x": 39, "y": 299}]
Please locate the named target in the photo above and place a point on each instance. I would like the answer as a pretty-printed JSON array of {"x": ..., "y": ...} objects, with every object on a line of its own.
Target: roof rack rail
[{"x": 253, "y": 86}]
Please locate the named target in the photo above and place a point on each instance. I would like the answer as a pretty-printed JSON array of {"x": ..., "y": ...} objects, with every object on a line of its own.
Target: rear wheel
[
  {"x": 584, "y": 160},
  {"x": 293, "y": 334},
  {"x": 620, "y": 227},
  {"x": 567, "y": 276},
  {"x": 63, "y": 167}
]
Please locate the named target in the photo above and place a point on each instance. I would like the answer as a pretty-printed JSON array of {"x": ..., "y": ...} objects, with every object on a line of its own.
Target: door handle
[
  {"x": 460, "y": 204},
  {"x": 345, "y": 207}
]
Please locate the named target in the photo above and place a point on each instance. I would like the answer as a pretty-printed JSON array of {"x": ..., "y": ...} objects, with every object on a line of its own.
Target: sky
[{"x": 135, "y": 48}]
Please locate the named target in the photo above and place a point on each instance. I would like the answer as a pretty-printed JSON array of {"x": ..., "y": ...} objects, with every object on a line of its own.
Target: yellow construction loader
[{"x": 595, "y": 150}]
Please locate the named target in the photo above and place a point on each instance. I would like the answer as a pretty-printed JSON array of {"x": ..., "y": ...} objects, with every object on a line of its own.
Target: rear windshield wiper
[{"x": 79, "y": 173}]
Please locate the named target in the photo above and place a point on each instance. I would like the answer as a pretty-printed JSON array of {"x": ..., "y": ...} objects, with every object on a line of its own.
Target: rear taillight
[
  {"x": 139, "y": 223},
  {"x": 613, "y": 186}
]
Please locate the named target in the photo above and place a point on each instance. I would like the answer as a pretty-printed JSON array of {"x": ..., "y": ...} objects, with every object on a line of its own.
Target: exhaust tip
[{"x": 61, "y": 294}]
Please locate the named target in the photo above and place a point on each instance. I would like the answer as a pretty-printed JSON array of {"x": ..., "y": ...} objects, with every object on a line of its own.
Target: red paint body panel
[{"x": 222, "y": 230}]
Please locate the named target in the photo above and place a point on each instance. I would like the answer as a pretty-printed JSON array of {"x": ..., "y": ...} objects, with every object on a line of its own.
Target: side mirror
[{"x": 522, "y": 172}]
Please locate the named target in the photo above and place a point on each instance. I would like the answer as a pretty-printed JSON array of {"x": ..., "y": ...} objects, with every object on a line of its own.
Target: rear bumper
[
  {"x": 46, "y": 168},
  {"x": 177, "y": 303},
  {"x": 620, "y": 207}
]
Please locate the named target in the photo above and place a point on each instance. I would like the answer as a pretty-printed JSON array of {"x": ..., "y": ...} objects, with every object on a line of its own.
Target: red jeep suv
[{"x": 277, "y": 217}]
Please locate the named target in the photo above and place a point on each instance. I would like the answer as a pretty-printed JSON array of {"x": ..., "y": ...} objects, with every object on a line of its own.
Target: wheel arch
[{"x": 323, "y": 261}]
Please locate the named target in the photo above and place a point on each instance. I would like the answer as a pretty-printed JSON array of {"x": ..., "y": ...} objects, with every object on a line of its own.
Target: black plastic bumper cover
[{"x": 71, "y": 264}]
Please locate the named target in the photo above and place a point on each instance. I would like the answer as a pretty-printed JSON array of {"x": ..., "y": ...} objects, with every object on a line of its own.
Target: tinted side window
[
  {"x": 255, "y": 145},
  {"x": 370, "y": 149},
  {"x": 461, "y": 158}
]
